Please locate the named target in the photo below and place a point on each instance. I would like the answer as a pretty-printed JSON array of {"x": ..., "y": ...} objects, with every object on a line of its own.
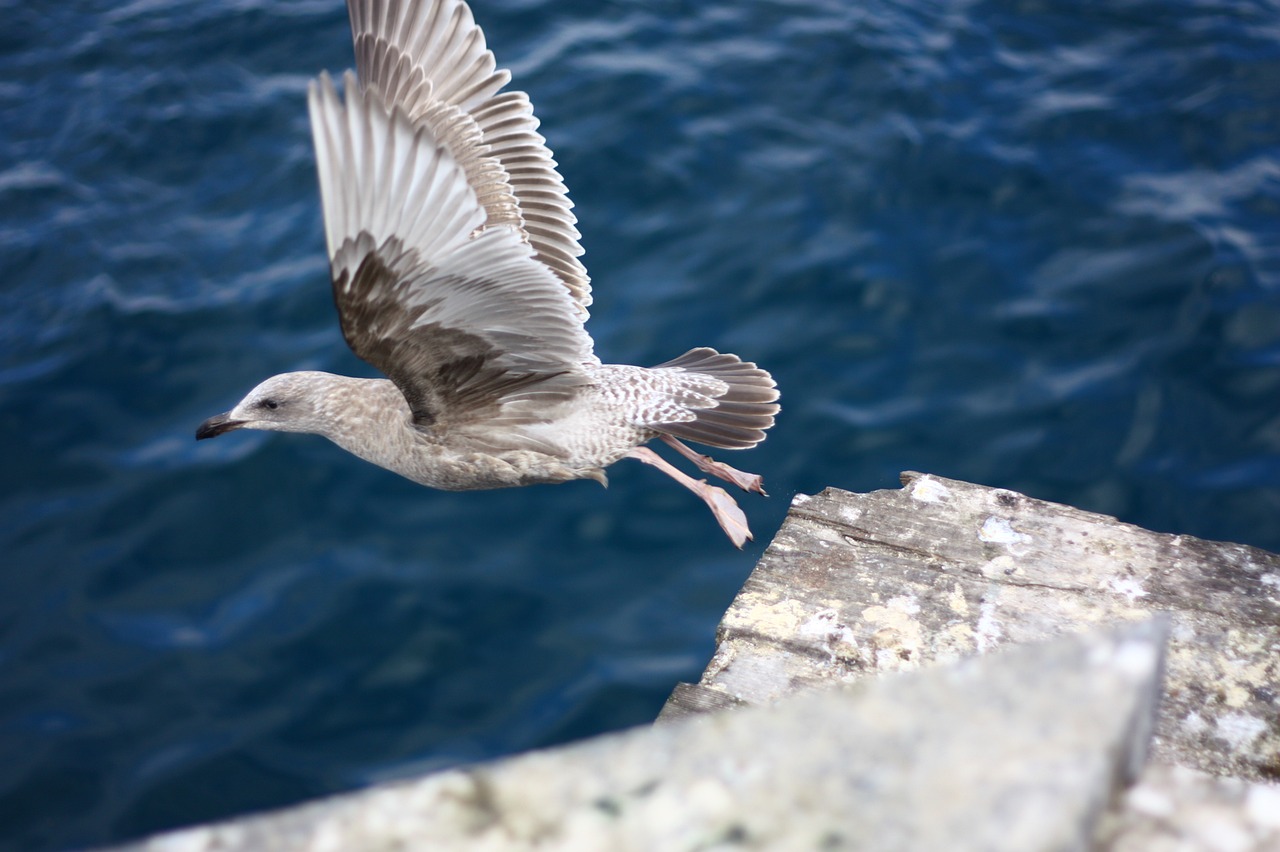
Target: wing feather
[
  {"x": 463, "y": 319},
  {"x": 429, "y": 58}
]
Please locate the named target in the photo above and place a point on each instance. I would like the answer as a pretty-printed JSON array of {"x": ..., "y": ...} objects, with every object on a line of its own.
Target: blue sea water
[{"x": 1030, "y": 244}]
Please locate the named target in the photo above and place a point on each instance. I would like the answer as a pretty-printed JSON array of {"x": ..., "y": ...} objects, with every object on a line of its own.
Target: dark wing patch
[{"x": 437, "y": 368}]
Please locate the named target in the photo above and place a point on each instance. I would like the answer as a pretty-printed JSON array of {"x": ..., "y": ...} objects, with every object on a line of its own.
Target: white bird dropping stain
[{"x": 1000, "y": 531}]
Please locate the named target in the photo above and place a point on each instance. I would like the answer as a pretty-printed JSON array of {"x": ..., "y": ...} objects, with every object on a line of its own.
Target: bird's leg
[
  {"x": 727, "y": 513},
  {"x": 706, "y": 464}
]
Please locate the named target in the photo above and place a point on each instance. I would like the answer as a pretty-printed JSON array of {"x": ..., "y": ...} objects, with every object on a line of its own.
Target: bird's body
[
  {"x": 371, "y": 419},
  {"x": 454, "y": 262}
]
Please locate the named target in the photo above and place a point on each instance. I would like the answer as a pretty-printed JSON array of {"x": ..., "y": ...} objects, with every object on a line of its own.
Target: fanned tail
[{"x": 739, "y": 414}]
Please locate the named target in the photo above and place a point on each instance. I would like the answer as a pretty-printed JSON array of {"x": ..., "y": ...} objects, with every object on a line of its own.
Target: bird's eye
[{"x": 270, "y": 403}]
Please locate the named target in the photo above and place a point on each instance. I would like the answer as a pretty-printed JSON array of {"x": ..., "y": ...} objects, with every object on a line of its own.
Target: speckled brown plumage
[{"x": 454, "y": 263}]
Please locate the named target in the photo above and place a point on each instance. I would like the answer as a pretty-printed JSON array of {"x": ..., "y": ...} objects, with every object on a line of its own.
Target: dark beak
[{"x": 216, "y": 425}]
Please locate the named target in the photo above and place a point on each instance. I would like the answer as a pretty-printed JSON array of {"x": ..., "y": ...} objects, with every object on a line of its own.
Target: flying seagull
[{"x": 454, "y": 260}]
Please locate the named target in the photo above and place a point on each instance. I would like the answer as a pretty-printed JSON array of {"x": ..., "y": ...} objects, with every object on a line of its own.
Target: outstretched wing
[
  {"x": 429, "y": 58},
  {"x": 460, "y": 316}
]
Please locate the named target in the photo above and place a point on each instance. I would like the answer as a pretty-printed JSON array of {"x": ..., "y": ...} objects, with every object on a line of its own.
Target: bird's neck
[
  {"x": 373, "y": 422},
  {"x": 358, "y": 410}
]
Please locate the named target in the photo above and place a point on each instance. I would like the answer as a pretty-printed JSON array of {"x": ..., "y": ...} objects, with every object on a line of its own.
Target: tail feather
[{"x": 741, "y": 412}]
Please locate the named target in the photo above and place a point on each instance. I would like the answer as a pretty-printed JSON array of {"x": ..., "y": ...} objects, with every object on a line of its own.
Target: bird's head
[{"x": 289, "y": 402}]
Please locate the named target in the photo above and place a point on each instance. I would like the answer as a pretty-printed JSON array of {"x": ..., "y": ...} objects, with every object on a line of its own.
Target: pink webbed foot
[
  {"x": 706, "y": 464},
  {"x": 726, "y": 511}
]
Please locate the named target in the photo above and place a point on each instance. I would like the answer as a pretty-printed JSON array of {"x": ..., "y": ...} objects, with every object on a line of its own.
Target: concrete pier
[{"x": 941, "y": 666}]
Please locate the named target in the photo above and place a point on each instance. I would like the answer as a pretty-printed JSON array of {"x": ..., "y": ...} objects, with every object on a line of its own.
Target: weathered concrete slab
[
  {"x": 1019, "y": 751},
  {"x": 857, "y": 585},
  {"x": 1175, "y": 809}
]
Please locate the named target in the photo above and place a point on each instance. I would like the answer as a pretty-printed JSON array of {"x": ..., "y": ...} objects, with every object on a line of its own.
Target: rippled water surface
[{"x": 1029, "y": 244}]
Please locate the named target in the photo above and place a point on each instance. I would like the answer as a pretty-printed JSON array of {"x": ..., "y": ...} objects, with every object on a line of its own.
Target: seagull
[{"x": 453, "y": 254}]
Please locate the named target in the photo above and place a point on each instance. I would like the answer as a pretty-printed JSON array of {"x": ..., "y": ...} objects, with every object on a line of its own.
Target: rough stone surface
[
  {"x": 1175, "y": 809},
  {"x": 1020, "y": 751},
  {"x": 858, "y": 585}
]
